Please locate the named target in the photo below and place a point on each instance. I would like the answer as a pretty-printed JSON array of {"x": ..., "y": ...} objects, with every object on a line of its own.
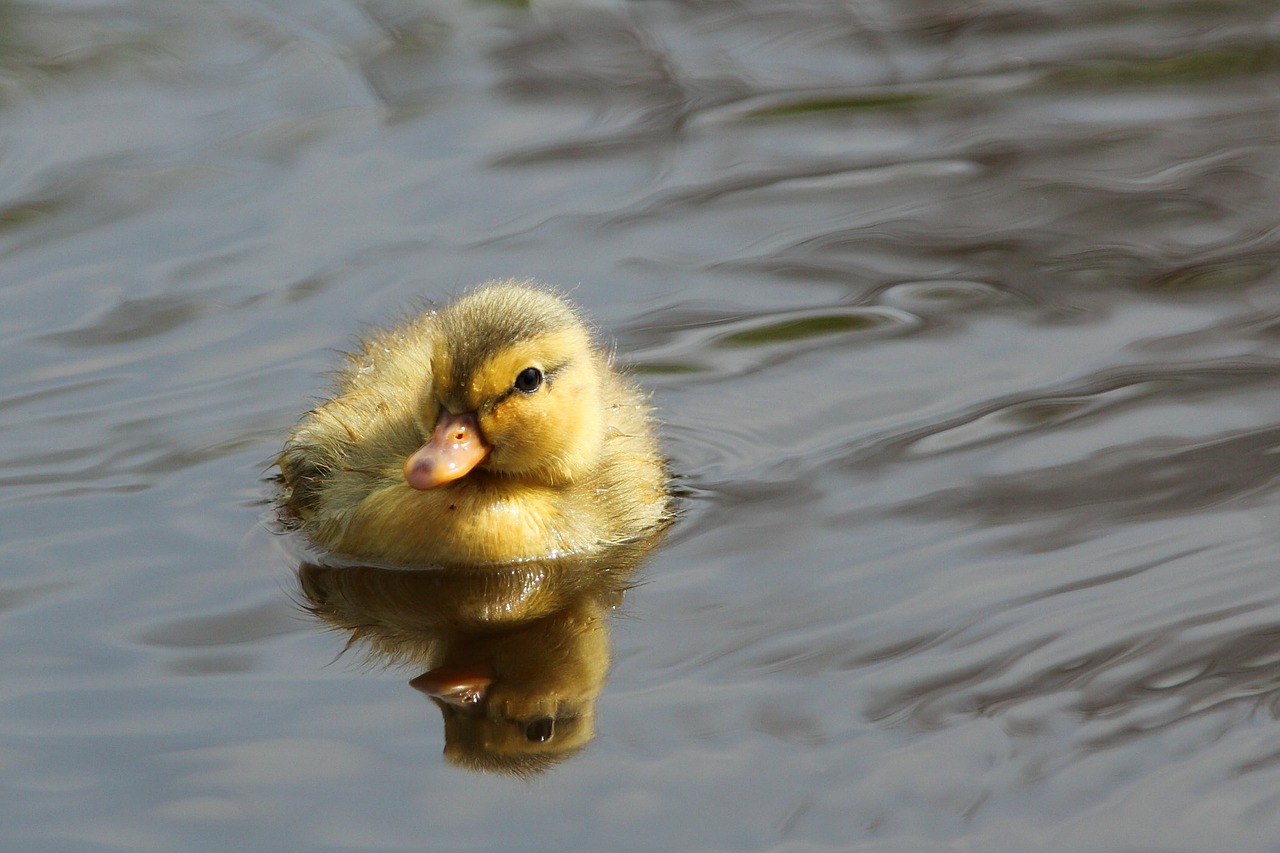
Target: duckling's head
[{"x": 515, "y": 390}]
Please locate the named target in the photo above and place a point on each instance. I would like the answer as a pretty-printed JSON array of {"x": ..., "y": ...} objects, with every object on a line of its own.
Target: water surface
[{"x": 964, "y": 322}]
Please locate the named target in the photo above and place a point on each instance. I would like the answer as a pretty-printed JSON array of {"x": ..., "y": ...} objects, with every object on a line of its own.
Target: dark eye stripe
[{"x": 547, "y": 378}]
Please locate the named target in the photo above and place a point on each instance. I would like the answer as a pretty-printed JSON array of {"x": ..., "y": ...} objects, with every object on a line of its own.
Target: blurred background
[{"x": 964, "y": 324}]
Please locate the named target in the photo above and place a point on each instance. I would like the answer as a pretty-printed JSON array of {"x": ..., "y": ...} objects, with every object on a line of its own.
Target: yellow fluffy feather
[{"x": 556, "y": 449}]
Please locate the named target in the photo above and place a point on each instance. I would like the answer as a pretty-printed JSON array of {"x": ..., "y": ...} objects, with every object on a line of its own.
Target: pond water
[{"x": 963, "y": 321}]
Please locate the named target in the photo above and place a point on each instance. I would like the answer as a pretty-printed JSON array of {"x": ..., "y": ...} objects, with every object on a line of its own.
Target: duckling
[{"x": 492, "y": 431}]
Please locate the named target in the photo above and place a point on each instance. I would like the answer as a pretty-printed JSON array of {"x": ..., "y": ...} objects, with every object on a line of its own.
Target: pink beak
[
  {"x": 454, "y": 448},
  {"x": 457, "y": 685}
]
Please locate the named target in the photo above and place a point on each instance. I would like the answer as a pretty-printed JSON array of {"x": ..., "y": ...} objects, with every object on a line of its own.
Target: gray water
[{"x": 964, "y": 324}]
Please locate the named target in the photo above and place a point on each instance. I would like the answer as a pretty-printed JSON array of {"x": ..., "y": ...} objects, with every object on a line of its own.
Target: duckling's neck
[{"x": 482, "y": 518}]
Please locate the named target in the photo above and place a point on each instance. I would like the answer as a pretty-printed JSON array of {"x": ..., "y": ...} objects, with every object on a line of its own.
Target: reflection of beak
[
  {"x": 454, "y": 448},
  {"x": 463, "y": 686}
]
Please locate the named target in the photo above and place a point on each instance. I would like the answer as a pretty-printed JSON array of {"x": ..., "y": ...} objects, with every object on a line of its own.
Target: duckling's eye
[
  {"x": 529, "y": 380},
  {"x": 540, "y": 730}
]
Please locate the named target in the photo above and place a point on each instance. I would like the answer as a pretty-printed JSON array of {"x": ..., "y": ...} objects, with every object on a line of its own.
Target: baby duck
[{"x": 492, "y": 431}]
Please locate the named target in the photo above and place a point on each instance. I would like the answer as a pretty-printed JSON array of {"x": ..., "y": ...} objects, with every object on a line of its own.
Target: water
[{"x": 963, "y": 320}]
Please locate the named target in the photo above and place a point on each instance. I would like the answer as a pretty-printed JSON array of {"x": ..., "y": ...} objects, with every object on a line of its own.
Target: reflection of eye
[
  {"x": 540, "y": 730},
  {"x": 529, "y": 380}
]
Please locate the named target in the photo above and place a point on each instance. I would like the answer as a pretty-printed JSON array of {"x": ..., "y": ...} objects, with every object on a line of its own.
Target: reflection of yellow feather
[
  {"x": 570, "y": 465},
  {"x": 515, "y": 657}
]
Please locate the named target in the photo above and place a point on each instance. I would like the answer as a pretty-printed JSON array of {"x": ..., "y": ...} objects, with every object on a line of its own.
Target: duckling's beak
[
  {"x": 454, "y": 448},
  {"x": 463, "y": 686}
]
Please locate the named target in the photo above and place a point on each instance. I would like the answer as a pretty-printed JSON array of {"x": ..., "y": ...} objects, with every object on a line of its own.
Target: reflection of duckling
[
  {"x": 521, "y": 700},
  {"x": 491, "y": 431},
  {"x": 515, "y": 656}
]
